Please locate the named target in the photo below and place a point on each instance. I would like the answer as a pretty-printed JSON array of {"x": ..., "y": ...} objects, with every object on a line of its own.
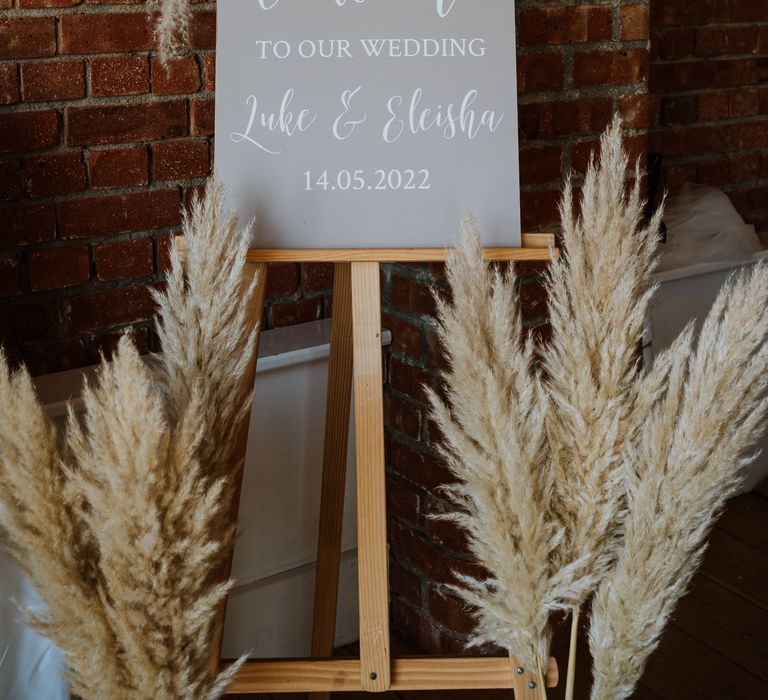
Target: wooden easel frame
[{"x": 356, "y": 358}]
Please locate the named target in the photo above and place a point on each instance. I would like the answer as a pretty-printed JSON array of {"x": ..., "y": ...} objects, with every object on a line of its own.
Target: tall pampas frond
[
  {"x": 599, "y": 293},
  {"x": 172, "y": 26},
  {"x": 203, "y": 326},
  {"x": 688, "y": 460},
  {"x": 493, "y": 424},
  {"x": 152, "y": 517},
  {"x": 122, "y": 530},
  {"x": 40, "y": 524}
]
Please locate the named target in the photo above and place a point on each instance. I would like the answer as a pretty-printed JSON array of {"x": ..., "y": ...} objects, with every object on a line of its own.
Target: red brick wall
[
  {"x": 579, "y": 61},
  {"x": 99, "y": 145},
  {"x": 709, "y": 85}
]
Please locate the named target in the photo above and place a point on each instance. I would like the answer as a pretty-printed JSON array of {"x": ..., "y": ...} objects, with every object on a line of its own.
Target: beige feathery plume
[
  {"x": 204, "y": 330},
  {"x": 123, "y": 536},
  {"x": 689, "y": 458},
  {"x": 599, "y": 294},
  {"x": 495, "y": 443},
  {"x": 48, "y": 540},
  {"x": 152, "y": 517},
  {"x": 172, "y": 27}
]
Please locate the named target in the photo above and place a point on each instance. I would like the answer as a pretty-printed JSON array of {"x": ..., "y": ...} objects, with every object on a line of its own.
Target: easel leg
[
  {"x": 334, "y": 468},
  {"x": 255, "y": 313},
  {"x": 371, "y": 495}
]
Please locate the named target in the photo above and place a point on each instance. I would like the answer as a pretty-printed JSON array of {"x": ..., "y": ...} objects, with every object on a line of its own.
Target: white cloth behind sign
[{"x": 30, "y": 666}]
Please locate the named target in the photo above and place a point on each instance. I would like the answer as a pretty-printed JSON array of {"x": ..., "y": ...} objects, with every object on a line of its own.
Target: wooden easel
[{"x": 356, "y": 357}]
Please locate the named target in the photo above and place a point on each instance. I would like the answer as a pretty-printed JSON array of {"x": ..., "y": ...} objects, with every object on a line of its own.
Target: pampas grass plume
[
  {"x": 689, "y": 458},
  {"x": 122, "y": 528}
]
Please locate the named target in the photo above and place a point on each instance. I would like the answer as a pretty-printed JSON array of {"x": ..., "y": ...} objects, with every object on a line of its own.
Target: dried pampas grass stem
[{"x": 123, "y": 527}]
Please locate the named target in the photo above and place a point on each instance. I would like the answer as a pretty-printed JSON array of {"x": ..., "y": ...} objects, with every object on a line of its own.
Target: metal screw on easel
[
  {"x": 520, "y": 671},
  {"x": 373, "y": 676},
  {"x": 532, "y": 685}
]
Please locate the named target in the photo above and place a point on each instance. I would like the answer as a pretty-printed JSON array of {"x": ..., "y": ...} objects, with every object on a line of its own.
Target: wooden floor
[{"x": 717, "y": 645}]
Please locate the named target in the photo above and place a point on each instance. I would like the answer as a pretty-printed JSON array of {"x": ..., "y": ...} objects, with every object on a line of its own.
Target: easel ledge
[{"x": 535, "y": 246}]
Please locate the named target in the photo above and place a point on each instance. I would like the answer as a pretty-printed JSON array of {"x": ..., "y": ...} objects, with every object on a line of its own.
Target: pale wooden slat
[
  {"x": 343, "y": 675},
  {"x": 334, "y": 468},
  {"x": 373, "y": 557},
  {"x": 253, "y": 270},
  {"x": 521, "y": 682},
  {"x": 390, "y": 255}
]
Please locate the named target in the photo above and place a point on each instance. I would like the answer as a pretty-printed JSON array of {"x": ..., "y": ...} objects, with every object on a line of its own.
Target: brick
[
  {"x": 540, "y": 209},
  {"x": 533, "y": 299},
  {"x": 428, "y": 558},
  {"x": 743, "y": 103},
  {"x": 22, "y": 225},
  {"x": 289, "y": 313},
  {"x": 282, "y": 280},
  {"x": 718, "y": 41},
  {"x": 56, "y": 268},
  {"x": 672, "y": 44},
  {"x": 202, "y": 30},
  {"x": 420, "y": 468},
  {"x": 27, "y": 37},
  {"x": 56, "y": 174},
  {"x": 679, "y": 109},
  {"x": 119, "y": 75},
  {"x": 27, "y": 320},
  {"x": 10, "y": 179},
  {"x": 538, "y": 165},
  {"x": 405, "y": 584},
  {"x": 103, "y": 216},
  {"x": 415, "y": 626},
  {"x": 202, "y": 119},
  {"x": 402, "y": 416},
  {"x": 125, "y": 259},
  {"x": 743, "y": 167},
  {"x": 91, "y": 125},
  {"x": 682, "y": 12},
  {"x": 28, "y": 131},
  {"x": 406, "y": 336},
  {"x": 53, "y": 80},
  {"x": 116, "y": 307},
  {"x": 179, "y": 160},
  {"x": 57, "y": 356},
  {"x": 611, "y": 67},
  {"x": 402, "y": 501},
  {"x": 91, "y": 33},
  {"x": 9, "y": 83},
  {"x": 450, "y": 612},
  {"x": 177, "y": 76},
  {"x": 540, "y": 72},
  {"x": 635, "y": 22},
  {"x": 554, "y": 118},
  {"x": 678, "y": 77},
  {"x": 563, "y": 25},
  {"x": 411, "y": 295},
  {"x": 10, "y": 277},
  {"x": 713, "y": 172},
  {"x": 410, "y": 379},
  {"x": 713, "y": 106},
  {"x": 316, "y": 277},
  {"x": 124, "y": 167}
]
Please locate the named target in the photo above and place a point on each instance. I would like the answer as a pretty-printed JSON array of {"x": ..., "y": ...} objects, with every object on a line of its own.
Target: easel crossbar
[{"x": 343, "y": 675}]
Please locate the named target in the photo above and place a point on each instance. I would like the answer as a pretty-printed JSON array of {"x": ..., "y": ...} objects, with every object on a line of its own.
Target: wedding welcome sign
[{"x": 368, "y": 123}]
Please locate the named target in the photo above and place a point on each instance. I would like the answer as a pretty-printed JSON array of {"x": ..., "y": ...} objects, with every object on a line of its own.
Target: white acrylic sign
[{"x": 368, "y": 123}]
